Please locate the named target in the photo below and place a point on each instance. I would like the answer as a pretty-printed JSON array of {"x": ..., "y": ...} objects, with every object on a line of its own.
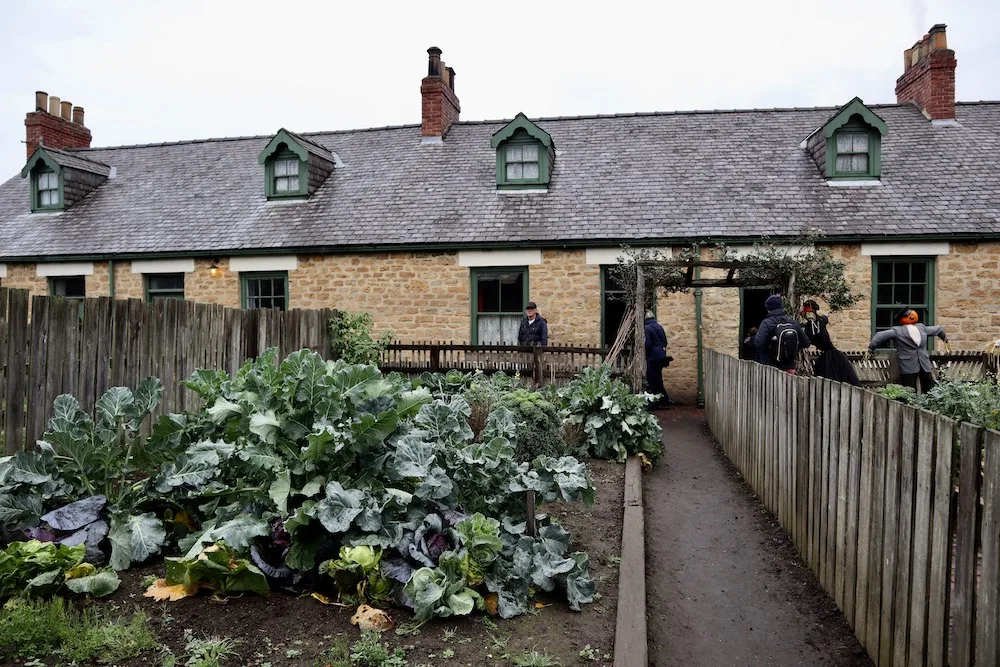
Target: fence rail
[
  {"x": 66, "y": 347},
  {"x": 551, "y": 364},
  {"x": 896, "y": 510},
  {"x": 881, "y": 368}
]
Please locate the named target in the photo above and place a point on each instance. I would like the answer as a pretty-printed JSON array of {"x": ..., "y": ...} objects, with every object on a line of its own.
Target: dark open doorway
[{"x": 752, "y": 310}]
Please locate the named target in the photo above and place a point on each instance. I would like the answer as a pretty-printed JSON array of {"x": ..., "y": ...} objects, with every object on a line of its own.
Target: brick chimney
[
  {"x": 929, "y": 76},
  {"x": 440, "y": 105},
  {"x": 55, "y": 124}
]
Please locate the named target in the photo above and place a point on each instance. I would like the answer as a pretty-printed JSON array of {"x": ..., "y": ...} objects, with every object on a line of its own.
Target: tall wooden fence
[
  {"x": 896, "y": 510},
  {"x": 66, "y": 348},
  {"x": 550, "y": 364}
]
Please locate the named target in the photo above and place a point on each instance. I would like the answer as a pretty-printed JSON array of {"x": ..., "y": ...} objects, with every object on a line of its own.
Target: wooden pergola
[{"x": 692, "y": 279}]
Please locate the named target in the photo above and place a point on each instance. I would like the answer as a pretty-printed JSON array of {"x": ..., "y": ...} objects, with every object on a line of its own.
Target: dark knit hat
[{"x": 773, "y": 302}]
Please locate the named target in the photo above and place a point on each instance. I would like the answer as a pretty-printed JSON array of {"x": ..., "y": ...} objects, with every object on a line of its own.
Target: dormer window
[
  {"x": 286, "y": 174},
  {"x": 525, "y": 154},
  {"x": 521, "y": 161},
  {"x": 59, "y": 179},
  {"x": 849, "y": 146},
  {"x": 294, "y": 167},
  {"x": 46, "y": 189}
]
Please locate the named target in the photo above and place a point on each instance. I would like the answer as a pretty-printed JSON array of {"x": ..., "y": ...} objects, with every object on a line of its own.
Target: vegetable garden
[{"x": 321, "y": 479}]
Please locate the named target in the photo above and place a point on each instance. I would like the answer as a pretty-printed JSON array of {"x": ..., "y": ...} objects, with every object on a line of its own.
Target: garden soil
[
  {"x": 725, "y": 585},
  {"x": 287, "y": 630}
]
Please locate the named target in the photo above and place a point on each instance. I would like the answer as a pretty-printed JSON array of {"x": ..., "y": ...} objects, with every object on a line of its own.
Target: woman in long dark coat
[{"x": 832, "y": 363}]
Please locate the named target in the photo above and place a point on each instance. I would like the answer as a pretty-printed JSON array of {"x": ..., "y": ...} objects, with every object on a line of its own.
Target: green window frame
[
  {"x": 71, "y": 288},
  {"x": 164, "y": 286},
  {"x": 899, "y": 282},
  {"x": 522, "y": 154},
  {"x": 266, "y": 289},
  {"x": 281, "y": 175},
  {"x": 497, "y": 309},
  {"x": 46, "y": 189},
  {"x": 614, "y": 304},
  {"x": 856, "y": 151}
]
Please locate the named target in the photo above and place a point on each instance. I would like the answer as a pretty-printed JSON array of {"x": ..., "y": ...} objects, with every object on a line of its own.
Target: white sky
[{"x": 165, "y": 71}]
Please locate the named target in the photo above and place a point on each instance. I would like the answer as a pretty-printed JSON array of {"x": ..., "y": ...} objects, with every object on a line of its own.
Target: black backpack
[{"x": 784, "y": 342}]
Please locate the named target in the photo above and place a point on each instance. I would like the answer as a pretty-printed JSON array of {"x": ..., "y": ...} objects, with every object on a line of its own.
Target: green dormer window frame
[
  {"x": 524, "y": 154},
  {"x": 46, "y": 182},
  {"x": 286, "y": 168},
  {"x": 854, "y": 143}
]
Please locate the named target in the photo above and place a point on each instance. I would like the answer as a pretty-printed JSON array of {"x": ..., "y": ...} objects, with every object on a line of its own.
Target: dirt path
[{"x": 725, "y": 586}]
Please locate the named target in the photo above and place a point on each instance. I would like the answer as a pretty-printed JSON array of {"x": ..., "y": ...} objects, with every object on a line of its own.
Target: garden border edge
[{"x": 630, "y": 630}]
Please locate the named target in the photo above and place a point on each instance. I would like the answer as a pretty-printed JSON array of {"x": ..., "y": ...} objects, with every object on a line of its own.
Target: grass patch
[{"x": 54, "y": 628}]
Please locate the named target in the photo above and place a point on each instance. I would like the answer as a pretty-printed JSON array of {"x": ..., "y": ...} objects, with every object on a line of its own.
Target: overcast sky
[{"x": 165, "y": 71}]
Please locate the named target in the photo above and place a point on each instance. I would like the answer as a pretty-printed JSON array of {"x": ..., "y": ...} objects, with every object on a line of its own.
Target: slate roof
[
  {"x": 77, "y": 161},
  {"x": 311, "y": 146},
  {"x": 642, "y": 177}
]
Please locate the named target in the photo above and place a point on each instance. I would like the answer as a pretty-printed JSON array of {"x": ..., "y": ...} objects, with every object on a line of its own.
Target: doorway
[{"x": 752, "y": 310}]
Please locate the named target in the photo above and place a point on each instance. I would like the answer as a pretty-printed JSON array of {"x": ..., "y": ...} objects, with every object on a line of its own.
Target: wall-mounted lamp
[{"x": 213, "y": 269}]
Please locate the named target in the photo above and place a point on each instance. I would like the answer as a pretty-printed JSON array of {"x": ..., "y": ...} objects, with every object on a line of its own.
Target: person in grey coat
[{"x": 911, "y": 348}]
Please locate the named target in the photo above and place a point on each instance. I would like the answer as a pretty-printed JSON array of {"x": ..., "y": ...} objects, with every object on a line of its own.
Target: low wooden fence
[
  {"x": 65, "y": 350},
  {"x": 551, "y": 364},
  {"x": 881, "y": 368},
  {"x": 896, "y": 510}
]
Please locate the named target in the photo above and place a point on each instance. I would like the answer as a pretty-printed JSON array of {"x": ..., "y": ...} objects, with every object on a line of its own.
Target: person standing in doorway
[
  {"x": 534, "y": 329},
  {"x": 656, "y": 359},
  {"x": 779, "y": 338},
  {"x": 911, "y": 348}
]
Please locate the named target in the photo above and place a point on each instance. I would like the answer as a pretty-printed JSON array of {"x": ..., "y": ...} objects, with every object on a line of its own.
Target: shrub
[
  {"x": 351, "y": 338},
  {"x": 974, "y": 402},
  {"x": 614, "y": 420},
  {"x": 898, "y": 392},
  {"x": 540, "y": 428}
]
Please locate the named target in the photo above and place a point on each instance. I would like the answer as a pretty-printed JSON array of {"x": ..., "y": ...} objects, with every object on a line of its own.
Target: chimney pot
[
  {"x": 54, "y": 105},
  {"x": 928, "y": 78},
  {"x": 41, "y": 100},
  {"x": 439, "y": 105},
  {"x": 434, "y": 61},
  {"x": 66, "y": 110},
  {"x": 78, "y": 115},
  {"x": 55, "y": 124}
]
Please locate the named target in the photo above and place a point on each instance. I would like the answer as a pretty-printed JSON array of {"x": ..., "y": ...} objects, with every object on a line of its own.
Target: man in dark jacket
[
  {"x": 762, "y": 341},
  {"x": 656, "y": 358},
  {"x": 534, "y": 329}
]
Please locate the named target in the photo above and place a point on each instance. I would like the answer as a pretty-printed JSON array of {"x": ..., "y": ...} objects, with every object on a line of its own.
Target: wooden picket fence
[
  {"x": 69, "y": 348},
  {"x": 543, "y": 365},
  {"x": 896, "y": 510}
]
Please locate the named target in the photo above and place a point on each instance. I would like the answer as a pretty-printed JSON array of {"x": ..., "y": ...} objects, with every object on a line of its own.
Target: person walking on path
[
  {"x": 656, "y": 359},
  {"x": 779, "y": 337},
  {"x": 534, "y": 330},
  {"x": 911, "y": 348},
  {"x": 831, "y": 363}
]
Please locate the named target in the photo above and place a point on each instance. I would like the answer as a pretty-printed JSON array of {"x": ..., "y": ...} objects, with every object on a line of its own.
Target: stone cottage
[{"x": 444, "y": 230}]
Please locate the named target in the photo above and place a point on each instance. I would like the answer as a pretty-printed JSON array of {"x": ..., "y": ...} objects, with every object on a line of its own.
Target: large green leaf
[
  {"x": 29, "y": 467},
  {"x": 436, "y": 485},
  {"x": 265, "y": 425},
  {"x": 21, "y": 509},
  {"x": 352, "y": 381},
  {"x": 261, "y": 457},
  {"x": 114, "y": 405},
  {"x": 579, "y": 585},
  {"x": 371, "y": 431},
  {"x": 223, "y": 409},
  {"x": 413, "y": 457},
  {"x": 98, "y": 584},
  {"x": 237, "y": 533},
  {"x": 339, "y": 508},
  {"x": 169, "y": 429},
  {"x": 134, "y": 538},
  {"x": 408, "y": 403},
  {"x": 210, "y": 452},
  {"x": 145, "y": 399},
  {"x": 281, "y": 487},
  {"x": 314, "y": 383}
]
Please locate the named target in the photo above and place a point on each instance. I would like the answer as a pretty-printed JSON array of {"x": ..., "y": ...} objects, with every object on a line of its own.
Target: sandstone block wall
[{"x": 427, "y": 296}]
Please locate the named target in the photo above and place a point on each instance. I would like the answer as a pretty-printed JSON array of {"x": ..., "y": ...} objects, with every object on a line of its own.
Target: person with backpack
[
  {"x": 911, "y": 348},
  {"x": 779, "y": 337},
  {"x": 534, "y": 330}
]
